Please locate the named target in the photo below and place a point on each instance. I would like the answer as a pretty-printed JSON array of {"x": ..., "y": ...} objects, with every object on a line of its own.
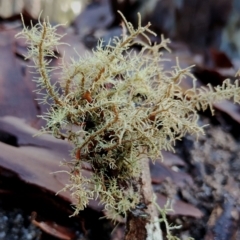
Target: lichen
[{"x": 116, "y": 105}]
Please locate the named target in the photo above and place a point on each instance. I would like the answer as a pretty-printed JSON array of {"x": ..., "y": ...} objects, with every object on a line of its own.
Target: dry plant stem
[
  {"x": 146, "y": 226},
  {"x": 42, "y": 67}
]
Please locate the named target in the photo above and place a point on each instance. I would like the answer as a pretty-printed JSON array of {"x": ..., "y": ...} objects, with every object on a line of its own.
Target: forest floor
[{"x": 201, "y": 178}]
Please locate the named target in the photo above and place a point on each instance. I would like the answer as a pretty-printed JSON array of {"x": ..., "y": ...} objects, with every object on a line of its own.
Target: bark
[{"x": 142, "y": 222}]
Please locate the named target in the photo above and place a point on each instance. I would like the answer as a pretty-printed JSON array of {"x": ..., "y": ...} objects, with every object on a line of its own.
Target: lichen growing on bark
[{"x": 117, "y": 105}]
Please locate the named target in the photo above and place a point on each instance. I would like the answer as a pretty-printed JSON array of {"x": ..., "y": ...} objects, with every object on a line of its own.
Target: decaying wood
[{"x": 142, "y": 222}]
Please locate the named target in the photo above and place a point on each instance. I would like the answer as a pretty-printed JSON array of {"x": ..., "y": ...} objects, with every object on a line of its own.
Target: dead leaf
[
  {"x": 37, "y": 160},
  {"x": 170, "y": 159},
  {"x": 159, "y": 172},
  {"x": 220, "y": 59},
  {"x": 228, "y": 107},
  {"x": 93, "y": 17},
  {"x": 16, "y": 97},
  {"x": 208, "y": 75},
  {"x": 179, "y": 207},
  {"x": 54, "y": 229}
]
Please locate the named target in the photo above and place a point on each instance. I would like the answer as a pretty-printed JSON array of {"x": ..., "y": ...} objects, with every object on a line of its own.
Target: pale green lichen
[{"x": 117, "y": 105}]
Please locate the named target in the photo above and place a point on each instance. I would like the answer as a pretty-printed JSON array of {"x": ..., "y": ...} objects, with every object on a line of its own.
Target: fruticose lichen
[{"x": 116, "y": 105}]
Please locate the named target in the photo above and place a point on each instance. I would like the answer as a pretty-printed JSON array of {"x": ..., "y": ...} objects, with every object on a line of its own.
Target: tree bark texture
[{"x": 142, "y": 222}]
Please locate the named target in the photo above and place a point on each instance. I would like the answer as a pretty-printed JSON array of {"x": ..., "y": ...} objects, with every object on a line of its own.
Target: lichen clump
[{"x": 116, "y": 106}]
